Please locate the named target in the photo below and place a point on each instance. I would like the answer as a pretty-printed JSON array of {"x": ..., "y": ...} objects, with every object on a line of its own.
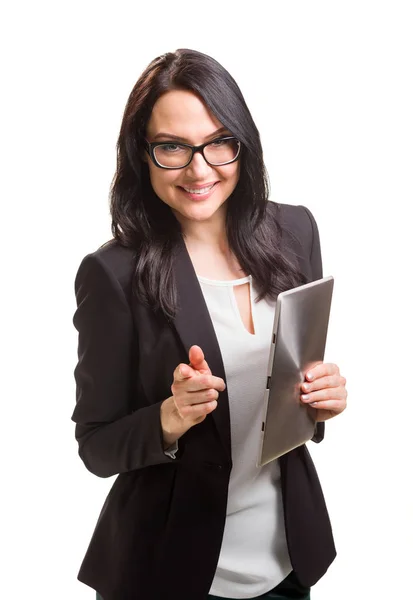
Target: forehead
[{"x": 184, "y": 114}]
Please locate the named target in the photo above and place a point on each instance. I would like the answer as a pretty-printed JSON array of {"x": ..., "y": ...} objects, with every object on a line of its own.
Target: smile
[{"x": 202, "y": 190}]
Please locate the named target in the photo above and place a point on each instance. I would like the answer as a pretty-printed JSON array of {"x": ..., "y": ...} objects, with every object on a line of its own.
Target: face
[{"x": 180, "y": 116}]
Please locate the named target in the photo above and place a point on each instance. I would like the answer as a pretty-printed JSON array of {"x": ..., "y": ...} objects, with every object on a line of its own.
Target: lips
[
  {"x": 199, "y": 189},
  {"x": 199, "y": 193}
]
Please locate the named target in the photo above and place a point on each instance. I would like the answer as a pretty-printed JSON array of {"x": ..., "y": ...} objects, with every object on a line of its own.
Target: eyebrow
[{"x": 170, "y": 136}]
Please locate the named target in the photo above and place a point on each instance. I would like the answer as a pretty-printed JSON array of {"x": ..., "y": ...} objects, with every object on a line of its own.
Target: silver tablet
[{"x": 299, "y": 339}]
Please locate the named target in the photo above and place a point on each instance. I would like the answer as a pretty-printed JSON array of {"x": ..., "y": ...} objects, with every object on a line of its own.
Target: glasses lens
[
  {"x": 222, "y": 151},
  {"x": 172, "y": 155}
]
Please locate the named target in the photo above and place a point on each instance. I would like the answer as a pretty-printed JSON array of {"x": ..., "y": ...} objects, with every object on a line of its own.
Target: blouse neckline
[{"x": 225, "y": 283}]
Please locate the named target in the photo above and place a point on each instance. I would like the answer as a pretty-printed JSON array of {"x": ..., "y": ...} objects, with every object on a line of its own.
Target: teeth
[{"x": 199, "y": 190}]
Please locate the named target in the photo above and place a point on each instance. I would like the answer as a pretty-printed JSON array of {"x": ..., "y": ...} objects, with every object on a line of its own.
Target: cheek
[
  {"x": 161, "y": 179},
  {"x": 231, "y": 174}
]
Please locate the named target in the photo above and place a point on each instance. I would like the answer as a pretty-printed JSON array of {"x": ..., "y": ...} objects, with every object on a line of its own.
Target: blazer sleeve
[
  {"x": 317, "y": 273},
  {"x": 112, "y": 438}
]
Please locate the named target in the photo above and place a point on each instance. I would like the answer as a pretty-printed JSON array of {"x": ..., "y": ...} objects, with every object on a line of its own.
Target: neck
[
  {"x": 206, "y": 234},
  {"x": 208, "y": 248}
]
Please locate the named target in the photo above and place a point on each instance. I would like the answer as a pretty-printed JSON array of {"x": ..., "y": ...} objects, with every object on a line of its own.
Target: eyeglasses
[{"x": 170, "y": 155}]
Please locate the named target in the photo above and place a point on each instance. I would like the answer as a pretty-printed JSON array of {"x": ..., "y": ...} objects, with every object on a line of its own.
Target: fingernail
[
  {"x": 309, "y": 375},
  {"x": 305, "y": 386},
  {"x": 313, "y": 404},
  {"x": 305, "y": 397}
]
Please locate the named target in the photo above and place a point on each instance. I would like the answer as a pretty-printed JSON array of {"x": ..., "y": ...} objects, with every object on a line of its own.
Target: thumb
[
  {"x": 184, "y": 372},
  {"x": 197, "y": 359}
]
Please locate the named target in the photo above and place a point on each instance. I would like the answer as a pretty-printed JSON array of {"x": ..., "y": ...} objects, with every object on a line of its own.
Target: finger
[
  {"x": 197, "y": 359},
  {"x": 336, "y": 406},
  {"x": 197, "y": 412},
  {"x": 183, "y": 372},
  {"x": 204, "y": 382},
  {"x": 329, "y": 381},
  {"x": 325, "y": 394},
  {"x": 194, "y": 398},
  {"x": 321, "y": 370}
]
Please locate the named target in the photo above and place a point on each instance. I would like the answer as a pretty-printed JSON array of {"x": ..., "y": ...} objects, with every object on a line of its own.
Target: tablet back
[{"x": 299, "y": 339}]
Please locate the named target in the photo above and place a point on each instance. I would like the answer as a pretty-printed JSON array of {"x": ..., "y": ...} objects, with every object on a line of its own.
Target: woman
[{"x": 174, "y": 317}]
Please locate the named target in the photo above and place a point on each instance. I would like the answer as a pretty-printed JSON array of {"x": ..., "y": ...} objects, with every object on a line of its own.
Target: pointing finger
[{"x": 197, "y": 359}]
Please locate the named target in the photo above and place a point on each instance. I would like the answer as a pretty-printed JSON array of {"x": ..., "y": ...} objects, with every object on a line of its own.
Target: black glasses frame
[{"x": 150, "y": 149}]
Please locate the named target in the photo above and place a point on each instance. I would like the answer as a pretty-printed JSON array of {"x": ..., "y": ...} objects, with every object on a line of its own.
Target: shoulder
[
  {"x": 111, "y": 260},
  {"x": 297, "y": 222},
  {"x": 297, "y": 235}
]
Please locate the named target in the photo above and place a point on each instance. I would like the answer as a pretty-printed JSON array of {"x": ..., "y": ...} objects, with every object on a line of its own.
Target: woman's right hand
[{"x": 194, "y": 395}]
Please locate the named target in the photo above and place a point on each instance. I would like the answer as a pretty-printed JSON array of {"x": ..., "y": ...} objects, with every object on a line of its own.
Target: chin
[{"x": 199, "y": 212}]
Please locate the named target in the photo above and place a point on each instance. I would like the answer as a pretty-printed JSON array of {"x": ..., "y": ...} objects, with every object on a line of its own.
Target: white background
[{"x": 330, "y": 87}]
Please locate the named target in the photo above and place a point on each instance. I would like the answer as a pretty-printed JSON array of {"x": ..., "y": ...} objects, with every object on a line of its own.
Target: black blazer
[{"x": 160, "y": 530}]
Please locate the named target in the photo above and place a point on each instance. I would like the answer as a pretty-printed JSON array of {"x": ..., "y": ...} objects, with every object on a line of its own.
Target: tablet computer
[{"x": 298, "y": 341}]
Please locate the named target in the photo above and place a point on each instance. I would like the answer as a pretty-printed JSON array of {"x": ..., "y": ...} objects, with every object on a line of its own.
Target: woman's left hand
[{"x": 325, "y": 390}]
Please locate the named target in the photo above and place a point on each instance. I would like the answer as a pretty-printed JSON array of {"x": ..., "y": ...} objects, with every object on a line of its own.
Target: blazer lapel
[{"x": 194, "y": 326}]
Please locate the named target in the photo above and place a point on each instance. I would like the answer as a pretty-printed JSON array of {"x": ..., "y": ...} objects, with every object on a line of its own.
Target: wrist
[{"x": 170, "y": 432}]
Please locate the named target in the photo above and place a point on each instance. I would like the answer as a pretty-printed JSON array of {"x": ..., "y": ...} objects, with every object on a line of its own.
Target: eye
[
  {"x": 220, "y": 142},
  {"x": 171, "y": 148}
]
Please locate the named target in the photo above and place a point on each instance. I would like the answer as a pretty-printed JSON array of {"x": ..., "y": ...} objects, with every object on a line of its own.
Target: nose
[{"x": 198, "y": 168}]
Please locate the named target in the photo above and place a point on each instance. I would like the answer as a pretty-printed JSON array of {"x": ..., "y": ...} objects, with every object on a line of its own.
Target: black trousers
[{"x": 289, "y": 589}]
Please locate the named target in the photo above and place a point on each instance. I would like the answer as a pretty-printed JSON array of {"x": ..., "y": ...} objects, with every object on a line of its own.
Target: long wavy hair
[{"x": 142, "y": 221}]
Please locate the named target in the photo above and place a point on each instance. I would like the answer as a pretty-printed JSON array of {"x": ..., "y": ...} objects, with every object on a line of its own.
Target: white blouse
[{"x": 254, "y": 556}]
